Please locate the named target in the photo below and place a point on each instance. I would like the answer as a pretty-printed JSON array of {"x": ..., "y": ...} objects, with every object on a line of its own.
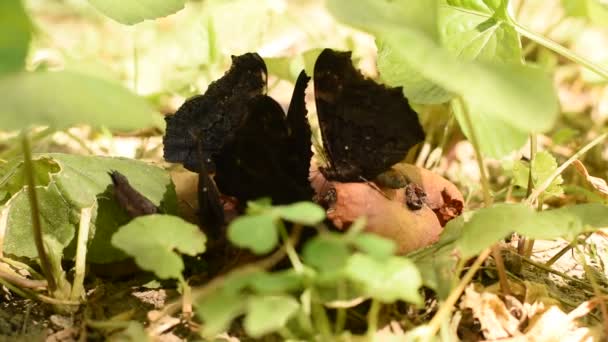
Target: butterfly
[
  {"x": 365, "y": 127},
  {"x": 243, "y": 136}
]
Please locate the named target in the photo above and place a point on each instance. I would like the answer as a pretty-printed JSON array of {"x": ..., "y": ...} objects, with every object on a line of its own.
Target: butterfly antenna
[{"x": 374, "y": 186}]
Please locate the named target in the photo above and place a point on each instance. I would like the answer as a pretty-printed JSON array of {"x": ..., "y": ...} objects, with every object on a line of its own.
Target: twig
[{"x": 22, "y": 282}]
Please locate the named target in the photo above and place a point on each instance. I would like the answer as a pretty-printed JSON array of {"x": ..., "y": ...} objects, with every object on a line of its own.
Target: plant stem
[
  {"x": 485, "y": 184},
  {"x": 45, "y": 264},
  {"x": 542, "y": 187},
  {"x": 449, "y": 303},
  {"x": 372, "y": 318},
  {"x": 81, "y": 254},
  {"x": 559, "y": 49},
  {"x": 3, "y": 226},
  {"x": 291, "y": 252},
  {"x": 487, "y": 196}
]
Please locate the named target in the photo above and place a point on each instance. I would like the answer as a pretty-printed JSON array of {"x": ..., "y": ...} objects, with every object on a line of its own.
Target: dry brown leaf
[{"x": 495, "y": 318}]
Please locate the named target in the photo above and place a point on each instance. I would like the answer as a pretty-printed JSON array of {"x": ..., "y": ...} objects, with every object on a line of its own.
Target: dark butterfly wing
[
  {"x": 214, "y": 116},
  {"x": 259, "y": 161},
  {"x": 366, "y": 127},
  {"x": 299, "y": 132}
]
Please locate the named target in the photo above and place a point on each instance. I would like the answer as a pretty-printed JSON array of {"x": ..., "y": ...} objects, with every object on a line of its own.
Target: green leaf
[
  {"x": 397, "y": 72},
  {"x": 134, "y": 332},
  {"x": 276, "y": 282},
  {"x": 471, "y": 36},
  {"x": 153, "y": 239},
  {"x": 543, "y": 165},
  {"x": 135, "y": 11},
  {"x": 16, "y": 35},
  {"x": 327, "y": 253},
  {"x": 488, "y": 225},
  {"x": 54, "y": 216},
  {"x": 374, "y": 245},
  {"x": 77, "y": 182},
  {"x": 256, "y": 232},
  {"x": 386, "y": 280},
  {"x": 305, "y": 213},
  {"x": 520, "y": 96},
  {"x": 266, "y": 314},
  {"x": 218, "y": 310},
  {"x": 596, "y": 11},
  {"x": 383, "y": 15},
  {"x": 62, "y": 99},
  {"x": 496, "y": 138}
]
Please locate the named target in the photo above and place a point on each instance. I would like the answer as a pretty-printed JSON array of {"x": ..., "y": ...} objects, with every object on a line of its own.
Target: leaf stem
[
  {"x": 557, "y": 48},
  {"x": 291, "y": 252},
  {"x": 372, "y": 318},
  {"x": 81, "y": 254},
  {"x": 543, "y": 186},
  {"x": 449, "y": 303},
  {"x": 45, "y": 263}
]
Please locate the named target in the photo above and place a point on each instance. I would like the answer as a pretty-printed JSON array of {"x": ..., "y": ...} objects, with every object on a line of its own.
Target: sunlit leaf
[
  {"x": 135, "y": 11},
  {"x": 62, "y": 99},
  {"x": 543, "y": 165},
  {"x": 15, "y": 38}
]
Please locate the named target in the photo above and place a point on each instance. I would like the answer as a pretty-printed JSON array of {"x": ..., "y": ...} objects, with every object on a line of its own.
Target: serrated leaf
[
  {"x": 543, "y": 165},
  {"x": 61, "y": 99},
  {"x": 153, "y": 239},
  {"x": 386, "y": 280},
  {"x": 135, "y": 11},
  {"x": 305, "y": 213},
  {"x": 266, "y": 314},
  {"x": 218, "y": 310},
  {"x": 473, "y": 37},
  {"x": 374, "y": 245},
  {"x": 257, "y": 232},
  {"x": 326, "y": 253},
  {"x": 16, "y": 35}
]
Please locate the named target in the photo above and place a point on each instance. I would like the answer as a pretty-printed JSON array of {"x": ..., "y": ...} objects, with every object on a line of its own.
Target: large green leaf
[
  {"x": 153, "y": 239},
  {"x": 15, "y": 37},
  {"x": 488, "y": 225},
  {"x": 218, "y": 310},
  {"x": 376, "y": 16},
  {"x": 496, "y": 137},
  {"x": 520, "y": 96},
  {"x": 64, "y": 98},
  {"x": 54, "y": 216},
  {"x": 135, "y": 11},
  {"x": 77, "y": 182}
]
